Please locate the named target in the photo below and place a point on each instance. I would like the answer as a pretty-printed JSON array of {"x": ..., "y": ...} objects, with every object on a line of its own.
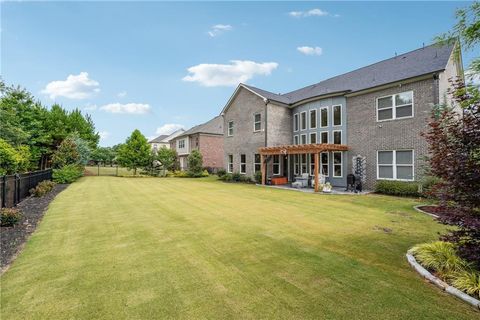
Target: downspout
[
  {"x": 266, "y": 101},
  {"x": 436, "y": 89}
]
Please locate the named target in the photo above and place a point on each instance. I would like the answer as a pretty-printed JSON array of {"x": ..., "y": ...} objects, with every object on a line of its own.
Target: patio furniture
[
  {"x": 303, "y": 179},
  {"x": 297, "y": 184}
]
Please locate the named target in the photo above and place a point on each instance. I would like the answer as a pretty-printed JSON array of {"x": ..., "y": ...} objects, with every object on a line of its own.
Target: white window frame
[
  {"x": 181, "y": 144},
  {"x": 296, "y": 139},
  {"x": 341, "y": 136},
  {"x": 230, "y": 164},
  {"x": 257, "y": 163},
  {"x": 257, "y": 122},
  {"x": 243, "y": 163},
  {"x": 394, "y": 107},
  {"x": 333, "y": 115},
  {"x": 310, "y": 137},
  {"x": 296, "y": 164},
  {"x": 310, "y": 118},
  {"x": 230, "y": 134},
  {"x": 333, "y": 164},
  {"x": 302, "y": 155},
  {"x": 394, "y": 165},
  {"x": 321, "y": 132},
  {"x": 276, "y": 164},
  {"x": 312, "y": 164},
  {"x": 306, "y": 120},
  {"x": 296, "y": 122},
  {"x": 306, "y": 138},
  {"x": 327, "y": 163},
  {"x": 320, "y": 116}
]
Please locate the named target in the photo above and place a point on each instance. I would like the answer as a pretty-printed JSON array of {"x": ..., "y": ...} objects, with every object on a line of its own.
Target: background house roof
[
  {"x": 159, "y": 138},
  {"x": 214, "y": 126}
]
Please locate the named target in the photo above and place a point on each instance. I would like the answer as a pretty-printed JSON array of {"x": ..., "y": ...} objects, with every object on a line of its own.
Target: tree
[
  {"x": 167, "y": 158},
  {"x": 13, "y": 160},
  {"x": 135, "y": 153},
  {"x": 195, "y": 164},
  {"x": 83, "y": 148},
  {"x": 66, "y": 154},
  {"x": 105, "y": 155}
]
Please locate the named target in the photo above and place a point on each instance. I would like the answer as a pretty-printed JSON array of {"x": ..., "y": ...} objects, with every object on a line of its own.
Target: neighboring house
[
  {"x": 164, "y": 140},
  {"x": 207, "y": 138},
  {"x": 376, "y": 112}
]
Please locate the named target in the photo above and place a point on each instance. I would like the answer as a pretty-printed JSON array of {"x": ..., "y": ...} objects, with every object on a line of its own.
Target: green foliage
[
  {"x": 105, "y": 155},
  {"x": 83, "y": 148},
  {"x": 13, "y": 160},
  {"x": 42, "y": 188},
  {"x": 9, "y": 217},
  {"x": 67, "y": 174},
  {"x": 135, "y": 152},
  {"x": 236, "y": 177},
  {"x": 428, "y": 183},
  {"x": 195, "y": 164},
  {"x": 397, "y": 188},
  {"x": 258, "y": 177},
  {"x": 221, "y": 173},
  {"x": 66, "y": 154},
  {"x": 468, "y": 281},
  {"x": 167, "y": 158}
]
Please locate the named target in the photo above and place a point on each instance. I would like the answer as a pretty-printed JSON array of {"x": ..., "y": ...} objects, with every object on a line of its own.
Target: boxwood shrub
[{"x": 397, "y": 188}]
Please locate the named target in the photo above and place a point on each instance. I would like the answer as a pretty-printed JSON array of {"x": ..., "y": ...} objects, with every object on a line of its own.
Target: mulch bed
[
  {"x": 435, "y": 210},
  {"x": 13, "y": 238}
]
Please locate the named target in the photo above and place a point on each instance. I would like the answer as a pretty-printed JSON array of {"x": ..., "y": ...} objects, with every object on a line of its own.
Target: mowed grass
[
  {"x": 117, "y": 248},
  {"x": 110, "y": 171}
]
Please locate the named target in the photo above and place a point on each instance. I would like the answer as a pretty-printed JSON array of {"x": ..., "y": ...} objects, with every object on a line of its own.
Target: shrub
[
  {"x": 205, "y": 173},
  {"x": 397, "y": 188},
  {"x": 67, "y": 174},
  {"x": 42, "y": 188},
  {"x": 221, "y": 173},
  {"x": 428, "y": 184},
  {"x": 9, "y": 217},
  {"x": 236, "y": 177},
  {"x": 468, "y": 282},
  {"x": 258, "y": 177},
  {"x": 227, "y": 177},
  {"x": 195, "y": 164},
  {"x": 66, "y": 154}
]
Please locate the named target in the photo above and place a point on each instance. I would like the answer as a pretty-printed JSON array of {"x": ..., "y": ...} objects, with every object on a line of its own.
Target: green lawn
[
  {"x": 114, "y": 248},
  {"x": 110, "y": 171}
]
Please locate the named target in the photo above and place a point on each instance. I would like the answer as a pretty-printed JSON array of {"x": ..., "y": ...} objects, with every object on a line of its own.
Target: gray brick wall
[{"x": 366, "y": 135}]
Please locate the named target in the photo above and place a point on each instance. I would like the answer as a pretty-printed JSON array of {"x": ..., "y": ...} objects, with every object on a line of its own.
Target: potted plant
[{"x": 327, "y": 187}]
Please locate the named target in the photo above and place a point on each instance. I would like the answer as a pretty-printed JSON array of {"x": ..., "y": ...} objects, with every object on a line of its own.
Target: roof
[
  {"x": 213, "y": 126},
  {"x": 159, "y": 138},
  {"x": 165, "y": 138},
  {"x": 426, "y": 60}
]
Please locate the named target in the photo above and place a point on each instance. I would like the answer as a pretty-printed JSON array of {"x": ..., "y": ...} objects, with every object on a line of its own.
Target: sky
[{"x": 159, "y": 66}]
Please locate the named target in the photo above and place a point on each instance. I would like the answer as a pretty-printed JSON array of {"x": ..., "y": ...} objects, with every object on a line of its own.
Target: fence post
[{"x": 98, "y": 169}]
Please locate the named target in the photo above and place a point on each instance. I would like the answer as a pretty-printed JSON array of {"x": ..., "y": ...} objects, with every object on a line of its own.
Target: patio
[{"x": 335, "y": 190}]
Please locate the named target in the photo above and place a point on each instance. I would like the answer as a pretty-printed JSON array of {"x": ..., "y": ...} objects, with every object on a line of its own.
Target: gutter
[{"x": 266, "y": 101}]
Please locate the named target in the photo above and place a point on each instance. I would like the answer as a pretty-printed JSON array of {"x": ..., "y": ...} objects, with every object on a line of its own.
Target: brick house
[
  {"x": 163, "y": 141},
  {"x": 369, "y": 118},
  {"x": 207, "y": 138}
]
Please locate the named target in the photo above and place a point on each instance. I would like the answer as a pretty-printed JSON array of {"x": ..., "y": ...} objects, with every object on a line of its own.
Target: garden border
[
  {"x": 439, "y": 283},
  {"x": 417, "y": 208}
]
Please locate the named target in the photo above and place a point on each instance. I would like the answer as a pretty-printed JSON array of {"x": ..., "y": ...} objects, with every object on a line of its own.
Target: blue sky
[{"x": 157, "y": 66}]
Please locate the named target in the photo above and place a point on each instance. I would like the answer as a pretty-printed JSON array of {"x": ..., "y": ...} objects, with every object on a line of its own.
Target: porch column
[
  {"x": 316, "y": 172},
  {"x": 264, "y": 168}
]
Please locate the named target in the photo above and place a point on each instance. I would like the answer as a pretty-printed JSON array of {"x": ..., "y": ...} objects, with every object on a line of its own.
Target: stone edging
[
  {"x": 439, "y": 283},
  {"x": 417, "y": 208}
]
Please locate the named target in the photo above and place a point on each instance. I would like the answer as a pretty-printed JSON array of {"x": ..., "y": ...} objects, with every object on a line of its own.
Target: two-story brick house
[
  {"x": 376, "y": 112},
  {"x": 207, "y": 138}
]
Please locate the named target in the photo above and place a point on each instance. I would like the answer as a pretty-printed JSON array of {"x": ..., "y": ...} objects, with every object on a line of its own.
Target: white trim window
[
  {"x": 397, "y": 106},
  {"x": 303, "y": 163},
  {"x": 313, "y": 137},
  {"x": 296, "y": 164},
  {"x": 312, "y": 164},
  {"x": 324, "y": 137},
  {"x": 303, "y": 120},
  {"x": 295, "y": 139},
  {"x": 181, "y": 144},
  {"x": 230, "y": 163},
  {"x": 395, "y": 165},
  {"x": 313, "y": 118},
  {"x": 324, "y": 117},
  {"x": 324, "y": 163},
  {"x": 276, "y": 165},
  {"x": 243, "y": 164},
  {"x": 337, "y": 164},
  {"x": 257, "y": 122},
  {"x": 337, "y": 115},
  {"x": 303, "y": 139},
  {"x": 337, "y": 136},
  {"x": 295, "y": 122},
  {"x": 230, "y": 128},
  {"x": 257, "y": 162}
]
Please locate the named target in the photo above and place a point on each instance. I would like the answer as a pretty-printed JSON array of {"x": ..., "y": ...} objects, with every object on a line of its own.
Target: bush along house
[
  {"x": 206, "y": 138},
  {"x": 365, "y": 122}
]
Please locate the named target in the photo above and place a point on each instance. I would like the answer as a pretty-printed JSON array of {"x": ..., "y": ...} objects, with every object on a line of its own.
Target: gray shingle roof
[
  {"x": 158, "y": 139},
  {"x": 214, "y": 126},
  {"x": 412, "y": 64}
]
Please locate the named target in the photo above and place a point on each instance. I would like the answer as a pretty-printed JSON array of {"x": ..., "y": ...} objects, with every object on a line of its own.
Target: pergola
[{"x": 316, "y": 149}]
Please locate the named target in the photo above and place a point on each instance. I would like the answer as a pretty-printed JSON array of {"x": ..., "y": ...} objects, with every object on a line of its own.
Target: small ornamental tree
[
  {"x": 195, "y": 164},
  {"x": 66, "y": 154},
  {"x": 135, "y": 153},
  {"x": 167, "y": 158}
]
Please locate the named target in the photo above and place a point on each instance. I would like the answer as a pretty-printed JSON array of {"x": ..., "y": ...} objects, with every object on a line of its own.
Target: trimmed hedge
[{"x": 397, "y": 188}]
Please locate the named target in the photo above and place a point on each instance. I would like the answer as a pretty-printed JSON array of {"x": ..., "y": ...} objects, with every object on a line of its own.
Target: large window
[
  {"x": 324, "y": 117},
  {"x": 296, "y": 164},
  {"x": 324, "y": 163},
  {"x": 181, "y": 144},
  {"x": 313, "y": 138},
  {"x": 337, "y": 164},
  {"x": 324, "y": 137},
  {"x": 230, "y": 128},
  {"x": 303, "y": 139},
  {"x": 243, "y": 164},
  {"x": 337, "y": 115},
  {"x": 257, "y": 164},
  {"x": 312, "y": 164},
  {"x": 313, "y": 118},
  {"x": 276, "y": 164},
  {"x": 337, "y": 136},
  {"x": 295, "y": 122},
  {"x": 230, "y": 163},
  {"x": 303, "y": 120},
  {"x": 257, "y": 122},
  {"x": 396, "y": 106},
  {"x": 395, "y": 165},
  {"x": 295, "y": 140},
  {"x": 303, "y": 158}
]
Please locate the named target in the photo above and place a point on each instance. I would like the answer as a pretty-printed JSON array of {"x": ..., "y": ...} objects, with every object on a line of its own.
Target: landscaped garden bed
[{"x": 32, "y": 210}]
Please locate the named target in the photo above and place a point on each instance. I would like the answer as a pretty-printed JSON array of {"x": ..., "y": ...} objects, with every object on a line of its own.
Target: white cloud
[
  {"x": 296, "y": 14},
  {"x": 132, "y": 108},
  {"x": 316, "y": 12},
  {"x": 311, "y": 13},
  {"x": 75, "y": 87},
  {"x": 212, "y": 75},
  {"x": 472, "y": 77},
  {"x": 310, "y": 51},
  {"x": 122, "y": 94},
  {"x": 218, "y": 29},
  {"x": 90, "y": 107},
  {"x": 104, "y": 135},
  {"x": 169, "y": 128}
]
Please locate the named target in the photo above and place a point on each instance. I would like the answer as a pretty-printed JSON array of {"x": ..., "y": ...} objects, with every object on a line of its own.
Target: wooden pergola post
[
  {"x": 263, "y": 169},
  {"x": 316, "y": 172}
]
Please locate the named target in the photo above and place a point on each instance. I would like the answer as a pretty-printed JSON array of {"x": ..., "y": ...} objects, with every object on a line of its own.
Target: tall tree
[
  {"x": 135, "y": 153},
  {"x": 167, "y": 158},
  {"x": 195, "y": 164}
]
